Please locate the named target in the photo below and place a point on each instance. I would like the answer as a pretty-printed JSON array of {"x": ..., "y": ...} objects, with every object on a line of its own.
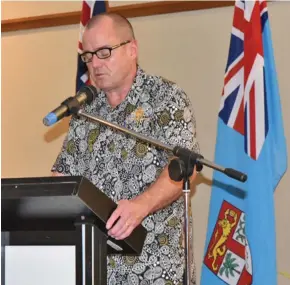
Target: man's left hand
[{"x": 129, "y": 214}]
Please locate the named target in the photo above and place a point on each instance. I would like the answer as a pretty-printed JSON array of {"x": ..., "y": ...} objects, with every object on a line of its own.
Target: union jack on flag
[
  {"x": 243, "y": 105},
  {"x": 89, "y": 9}
]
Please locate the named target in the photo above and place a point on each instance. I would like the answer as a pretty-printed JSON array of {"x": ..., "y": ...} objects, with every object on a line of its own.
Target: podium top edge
[{"x": 41, "y": 180}]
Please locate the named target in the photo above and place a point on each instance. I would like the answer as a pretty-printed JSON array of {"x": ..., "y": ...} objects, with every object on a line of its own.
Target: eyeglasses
[{"x": 101, "y": 53}]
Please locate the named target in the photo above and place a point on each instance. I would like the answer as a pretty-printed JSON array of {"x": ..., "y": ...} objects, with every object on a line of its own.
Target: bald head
[
  {"x": 120, "y": 24},
  {"x": 110, "y": 40}
]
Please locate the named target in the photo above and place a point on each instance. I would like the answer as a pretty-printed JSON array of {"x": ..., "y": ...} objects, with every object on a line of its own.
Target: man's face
[{"x": 109, "y": 73}]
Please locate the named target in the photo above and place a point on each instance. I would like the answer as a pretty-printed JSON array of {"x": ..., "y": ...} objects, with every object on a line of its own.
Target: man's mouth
[{"x": 99, "y": 74}]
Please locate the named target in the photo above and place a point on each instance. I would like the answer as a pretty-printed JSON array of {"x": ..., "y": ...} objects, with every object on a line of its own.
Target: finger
[
  {"x": 120, "y": 227},
  {"x": 113, "y": 218},
  {"x": 129, "y": 222},
  {"x": 126, "y": 233}
]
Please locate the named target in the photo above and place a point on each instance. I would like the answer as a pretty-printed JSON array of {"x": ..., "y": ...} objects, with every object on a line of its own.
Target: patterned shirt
[{"x": 123, "y": 167}]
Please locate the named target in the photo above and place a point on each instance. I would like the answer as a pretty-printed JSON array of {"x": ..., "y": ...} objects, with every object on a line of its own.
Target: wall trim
[{"x": 129, "y": 11}]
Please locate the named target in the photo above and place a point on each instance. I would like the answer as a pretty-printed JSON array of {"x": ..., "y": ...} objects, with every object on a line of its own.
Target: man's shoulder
[
  {"x": 167, "y": 81},
  {"x": 161, "y": 89},
  {"x": 168, "y": 88},
  {"x": 162, "y": 81}
]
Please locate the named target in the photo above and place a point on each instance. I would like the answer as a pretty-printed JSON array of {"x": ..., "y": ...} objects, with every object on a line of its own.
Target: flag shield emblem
[{"x": 228, "y": 254}]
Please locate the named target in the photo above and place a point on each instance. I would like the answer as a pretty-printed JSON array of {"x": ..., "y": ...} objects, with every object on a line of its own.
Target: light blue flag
[{"x": 240, "y": 243}]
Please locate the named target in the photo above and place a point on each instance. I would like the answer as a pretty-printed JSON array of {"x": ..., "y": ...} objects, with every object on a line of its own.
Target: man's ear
[{"x": 134, "y": 49}]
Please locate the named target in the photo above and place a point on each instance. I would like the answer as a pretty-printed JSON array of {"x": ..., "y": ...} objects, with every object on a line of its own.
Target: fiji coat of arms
[{"x": 228, "y": 254}]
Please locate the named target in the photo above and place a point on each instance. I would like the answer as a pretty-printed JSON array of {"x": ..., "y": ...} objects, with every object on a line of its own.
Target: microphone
[{"x": 71, "y": 105}]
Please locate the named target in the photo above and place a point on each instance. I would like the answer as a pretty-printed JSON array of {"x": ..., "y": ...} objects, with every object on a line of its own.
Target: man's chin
[
  {"x": 100, "y": 83},
  {"x": 104, "y": 83}
]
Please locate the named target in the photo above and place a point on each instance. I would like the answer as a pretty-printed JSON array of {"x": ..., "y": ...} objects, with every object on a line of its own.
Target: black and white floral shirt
[{"x": 123, "y": 167}]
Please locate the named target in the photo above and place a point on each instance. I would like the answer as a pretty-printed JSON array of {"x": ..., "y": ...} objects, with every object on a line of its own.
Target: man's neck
[{"x": 117, "y": 96}]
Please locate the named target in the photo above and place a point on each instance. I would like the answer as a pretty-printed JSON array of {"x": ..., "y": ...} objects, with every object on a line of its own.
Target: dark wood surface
[{"x": 129, "y": 11}]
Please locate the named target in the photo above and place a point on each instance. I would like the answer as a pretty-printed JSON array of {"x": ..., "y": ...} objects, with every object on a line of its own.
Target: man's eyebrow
[{"x": 101, "y": 47}]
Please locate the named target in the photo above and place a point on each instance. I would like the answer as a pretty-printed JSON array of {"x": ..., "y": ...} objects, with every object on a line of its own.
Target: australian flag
[
  {"x": 89, "y": 9},
  {"x": 240, "y": 243}
]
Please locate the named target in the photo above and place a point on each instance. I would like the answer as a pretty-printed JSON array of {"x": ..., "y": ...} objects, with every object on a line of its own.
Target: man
[{"x": 131, "y": 172}]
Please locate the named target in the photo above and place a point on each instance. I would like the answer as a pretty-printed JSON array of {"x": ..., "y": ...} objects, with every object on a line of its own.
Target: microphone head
[
  {"x": 90, "y": 92},
  {"x": 49, "y": 119}
]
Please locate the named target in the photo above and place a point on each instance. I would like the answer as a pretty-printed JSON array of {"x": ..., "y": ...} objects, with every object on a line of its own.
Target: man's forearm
[
  {"x": 130, "y": 213},
  {"x": 161, "y": 193}
]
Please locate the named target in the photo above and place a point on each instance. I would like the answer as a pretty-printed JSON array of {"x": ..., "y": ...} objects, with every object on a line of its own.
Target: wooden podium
[{"x": 63, "y": 211}]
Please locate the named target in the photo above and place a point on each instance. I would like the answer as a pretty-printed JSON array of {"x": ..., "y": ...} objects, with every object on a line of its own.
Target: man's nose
[{"x": 96, "y": 62}]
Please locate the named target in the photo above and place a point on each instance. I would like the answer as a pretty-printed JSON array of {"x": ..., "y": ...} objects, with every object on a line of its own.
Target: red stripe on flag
[
  {"x": 80, "y": 46},
  {"x": 263, "y": 5},
  {"x": 234, "y": 71},
  {"x": 253, "y": 41},
  {"x": 238, "y": 21},
  {"x": 252, "y": 116},
  {"x": 236, "y": 247},
  {"x": 86, "y": 13},
  {"x": 245, "y": 278},
  {"x": 239, "y": 124}
]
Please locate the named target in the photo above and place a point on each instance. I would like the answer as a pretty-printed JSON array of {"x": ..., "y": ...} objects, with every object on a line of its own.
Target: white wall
[{"x": 38, "y": 71}]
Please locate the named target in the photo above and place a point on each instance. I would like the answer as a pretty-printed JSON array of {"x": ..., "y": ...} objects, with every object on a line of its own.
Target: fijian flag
[{"x": 241, "y": 237}]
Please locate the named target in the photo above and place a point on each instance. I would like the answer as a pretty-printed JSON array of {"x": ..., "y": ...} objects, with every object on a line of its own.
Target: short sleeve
[{"x": 176, "y": 121}]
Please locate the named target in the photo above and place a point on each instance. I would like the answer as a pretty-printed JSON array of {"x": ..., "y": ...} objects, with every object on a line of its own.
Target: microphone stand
[{"x": 180, "y": 168}]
